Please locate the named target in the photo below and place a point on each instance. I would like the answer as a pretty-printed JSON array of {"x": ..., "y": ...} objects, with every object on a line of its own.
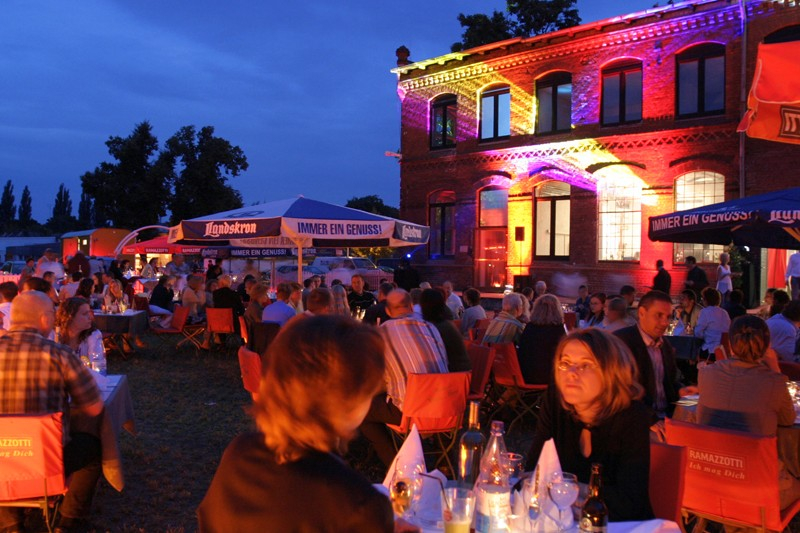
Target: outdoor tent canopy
[
  {"x": 159, "y": 245},
  {"x": 770, "y": 220}
]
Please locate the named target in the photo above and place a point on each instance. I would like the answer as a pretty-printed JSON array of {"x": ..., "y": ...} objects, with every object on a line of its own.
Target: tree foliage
[
  {"x": 201, "y": 166},
  {"x": 25, "y": 214},
  {"x": 86, "y": 211},
  {"x": 134, "y": 191},
  {"x": 373, "y": 204},
  {"x": 8, "y": 208},
  {"x": 523, "y": 18},
  {"x": 62, "y": 219}
]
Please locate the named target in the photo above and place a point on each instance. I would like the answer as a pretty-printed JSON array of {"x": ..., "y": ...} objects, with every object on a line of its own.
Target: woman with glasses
[
  {"x": 594, "y": 416},
  {"x": 596, "y": 309}
]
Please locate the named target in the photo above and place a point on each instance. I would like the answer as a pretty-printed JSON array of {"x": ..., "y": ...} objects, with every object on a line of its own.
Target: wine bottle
[
  {"x": 594, "y": 513},
  {"x": 493, "y": 493},
  {"x": 470, "y": 449}
]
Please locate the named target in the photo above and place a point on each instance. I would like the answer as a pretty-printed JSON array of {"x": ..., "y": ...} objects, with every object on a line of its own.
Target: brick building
[{"x": 545, "y": 156}]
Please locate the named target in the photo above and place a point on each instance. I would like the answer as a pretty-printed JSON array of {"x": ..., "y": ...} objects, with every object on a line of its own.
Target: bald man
[
  {"x": 67, "y": 386},
  {"x": 412, "y": 346}
]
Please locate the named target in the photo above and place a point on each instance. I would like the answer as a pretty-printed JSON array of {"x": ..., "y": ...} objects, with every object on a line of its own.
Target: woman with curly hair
[{"x": 75, "y": 327}]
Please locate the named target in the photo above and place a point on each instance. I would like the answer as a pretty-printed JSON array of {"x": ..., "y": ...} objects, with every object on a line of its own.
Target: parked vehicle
[
  {"x": 288, "y": 273},
  {"x": 343, "y": 268},
  {"x": 12, "y": 267}
]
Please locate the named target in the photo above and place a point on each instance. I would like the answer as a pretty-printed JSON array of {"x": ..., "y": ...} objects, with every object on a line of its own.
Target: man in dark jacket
[{"x": 662, "y": 280}]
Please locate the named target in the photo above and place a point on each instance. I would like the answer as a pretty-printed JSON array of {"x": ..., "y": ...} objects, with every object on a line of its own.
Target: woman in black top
[
  {"x": 435, "y": 310},
  {"x": 163, "y": 294},
  {"x": 537, "y": 345},
  {"x": 594, "y": 416}
]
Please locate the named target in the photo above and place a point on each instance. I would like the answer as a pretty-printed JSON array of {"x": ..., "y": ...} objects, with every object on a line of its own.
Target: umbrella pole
[{"x": 299, "y": 263}]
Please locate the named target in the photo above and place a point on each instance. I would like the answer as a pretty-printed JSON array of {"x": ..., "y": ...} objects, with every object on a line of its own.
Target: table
[
  {"x": 117, "y": 415},
  {"x": 686, "y": 347},
  {"x": 788, "y": 436},
  {"x": 116, "y": 326}
]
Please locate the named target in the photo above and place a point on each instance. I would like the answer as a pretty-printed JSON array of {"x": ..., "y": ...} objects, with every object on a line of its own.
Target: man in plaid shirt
[{"x": 41, "y": 376}]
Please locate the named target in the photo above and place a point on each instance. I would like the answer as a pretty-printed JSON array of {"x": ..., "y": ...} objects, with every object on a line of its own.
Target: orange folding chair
[
  {"x": 435, "y": 403},
  {"x": 32, "y": 474},
  {"x": 571, "y": 320},
  {"x": 524, "y": 397},
  {"x": 243, "y": 330},
  {"x": 666, "y": 485},
  {"x": 219, "y": 320},
  {"x": 731, "y": 477},
  {"x": 250, "y": 365},
  {"x": 481, "y": 358},
  {"x": 179, "y": 326}
]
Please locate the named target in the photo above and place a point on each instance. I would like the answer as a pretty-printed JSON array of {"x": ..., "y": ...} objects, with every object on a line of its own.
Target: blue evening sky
[{"x": 303, "y": 87}]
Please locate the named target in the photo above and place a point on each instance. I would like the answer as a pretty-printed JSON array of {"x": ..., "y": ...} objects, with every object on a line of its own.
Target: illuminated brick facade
[{"x": 619, "y": 161}]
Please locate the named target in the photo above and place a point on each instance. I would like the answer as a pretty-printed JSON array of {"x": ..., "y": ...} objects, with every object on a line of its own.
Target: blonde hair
[
  {"x": 311, "y": 380},
  {"x": 749, "y": 336},
  {"x": 340, "y": 304},
  {"x": 547, "y": 311},
  {"x": 616, "y": 366}
]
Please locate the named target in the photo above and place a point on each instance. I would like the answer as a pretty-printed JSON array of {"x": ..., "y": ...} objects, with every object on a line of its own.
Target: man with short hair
[
  {"x": 377, "y": 313},
  {"x": 506, "y": 327},
  {"x": 581, "y": 304},
  {"x": 662, "y": 280},
  {"x": 79, "y": 263},
  {"x": 783, "y": 331},
  {"x": 654, "y": 357},
  {"x": 696, "y": 278},
  {"x": 412, "y": 346},
  {"x": 688, "y": 311},
  {"x": 41, "y": 376},
  {"x": 281, "y": 310},
  {"x": 452, "y": 300},
  {"x": 358, "y": 297},
  {"x": 628, "y": 293},
  {"x": 616, "y": 315},
  {"x": 539, "y": 288}
]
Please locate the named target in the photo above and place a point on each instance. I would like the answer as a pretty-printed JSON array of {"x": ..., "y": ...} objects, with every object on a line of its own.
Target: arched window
[
  {"x": 495, "y": 113},
  {"x": 700, "y": 74},
  {"x": 552, "y": 210},
  {"x": 621, "y": 93},
  {"x": 554, "y": 102},
  {"x": 619, "y": 217},
  {"x": 784, "y": 35},
  {"x": 696, "y": 189},
  {"x": 491, "y": 237},
  {"x": 443, "y": 121},
  {"x": 441, "y": 218}
]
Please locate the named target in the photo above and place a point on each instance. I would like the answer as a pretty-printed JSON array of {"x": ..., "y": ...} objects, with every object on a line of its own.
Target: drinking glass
[
  {"x": 406, "y": 489},
  {"x": 458, "y": 505},
  {"x": 563, "y": 489},
  {"x": 512, "y": 463}
]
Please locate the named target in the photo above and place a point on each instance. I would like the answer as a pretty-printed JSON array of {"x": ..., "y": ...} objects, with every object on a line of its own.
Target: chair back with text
[
  {"x": 32, "y": 462},
  {"x": 220, "y": 319},
  {"x": 250, "y": 365},
  {"x": 481, "y": 358},
  {"x": 666, "y": 486},
  {"x": 731, "y": 476}
]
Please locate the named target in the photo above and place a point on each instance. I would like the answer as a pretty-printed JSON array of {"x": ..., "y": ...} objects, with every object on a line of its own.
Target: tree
[
  {"x": 8, "y": 209},
  {"x": 86, "y": 211},
  {"x": 206, "y": 164},
  {"x": 373, "y": 204},
  {"x": 25, "y": 214},
  {"x": 134, "y": 191},
  {"x": 524, "y": 18},
  {"x": 62, "y": 219}
]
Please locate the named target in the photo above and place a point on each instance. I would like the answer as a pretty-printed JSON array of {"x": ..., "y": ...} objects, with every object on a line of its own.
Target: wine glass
[
  {"x": 563, "y": 489},
  {"x": 406, "y": 489}
]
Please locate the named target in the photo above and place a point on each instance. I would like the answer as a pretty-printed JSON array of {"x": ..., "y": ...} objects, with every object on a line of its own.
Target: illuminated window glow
[
  {"x": 552, "y": 220},
  {"x": 495, "y": 114},
  {"x": 493, "y": 206},
  {"x": 554, "y": 103},
  {"x": 621, "y": 93},
  {"x": 441, "y": 206},
  {"x": 620, "y": 221},
  {"x": 443, "y": 122},
  {"x": 701, "y": 81},
  {"x": 697, "y": 189}
]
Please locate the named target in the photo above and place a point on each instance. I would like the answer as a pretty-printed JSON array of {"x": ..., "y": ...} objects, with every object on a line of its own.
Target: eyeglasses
[{"x": 580, "y": 368}]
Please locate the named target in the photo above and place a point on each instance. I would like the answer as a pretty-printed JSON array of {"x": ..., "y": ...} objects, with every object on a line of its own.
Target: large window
[
  {"x": 495, "y": 113},
  {"x": 620, "y": 220},
  {"x": 443, "y": 121},
  {"x": 552, "y": 220},
  {"x": 442, "y": 206},
  {"x": 621, "y": 93},
  {"x": 697, "y": 189},
  {"x": 554, "y": 103},
  {"x": 491, "y": 238},
  {"x": 701, "y": 81}
]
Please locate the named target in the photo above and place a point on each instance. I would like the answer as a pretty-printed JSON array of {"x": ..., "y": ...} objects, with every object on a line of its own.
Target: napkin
[
  {"x": 410, "y": 454},
  {"x": 547, "y": 466}
]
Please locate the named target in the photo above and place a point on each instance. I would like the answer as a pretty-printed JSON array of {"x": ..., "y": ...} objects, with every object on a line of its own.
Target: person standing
[
  {"x": 358, "y": 297},
  {"x": 63, "y": 385},
  {"x": 793, "y": 274},
  {"x": 696, "y": 278},
  {"x": 662, "y": 280},
  {"x": 724, "y": 276}
]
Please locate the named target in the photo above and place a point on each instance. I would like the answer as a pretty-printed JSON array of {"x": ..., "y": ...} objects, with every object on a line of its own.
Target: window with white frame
[
  {"x": 619, "y": 220},
  {"x": 696, "y": 189}
]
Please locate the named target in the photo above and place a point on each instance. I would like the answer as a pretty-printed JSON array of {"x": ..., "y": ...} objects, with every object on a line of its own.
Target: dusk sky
[{"x": 303, "y": 87}]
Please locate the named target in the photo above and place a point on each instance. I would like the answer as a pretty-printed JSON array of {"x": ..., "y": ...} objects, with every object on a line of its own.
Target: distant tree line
[{"x": 187, "y": 177}]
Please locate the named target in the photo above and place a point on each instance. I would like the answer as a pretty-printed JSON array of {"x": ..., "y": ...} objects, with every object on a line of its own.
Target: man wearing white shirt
[
  {"x": 453, "y": 301},
  {"x": 783, "y": 331},
  {"x": 793, "y": 273}
]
